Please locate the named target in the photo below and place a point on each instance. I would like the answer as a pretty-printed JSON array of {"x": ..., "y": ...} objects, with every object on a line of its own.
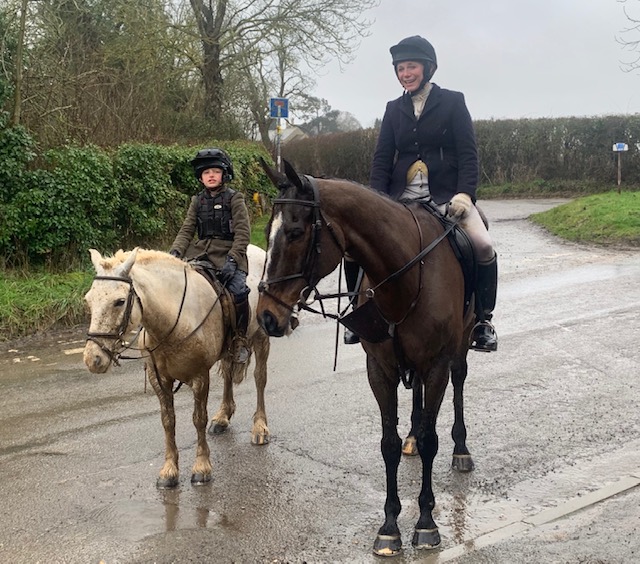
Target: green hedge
[
  {"x": 55, "y": 206},
  {"x": 510, "y": 151}
]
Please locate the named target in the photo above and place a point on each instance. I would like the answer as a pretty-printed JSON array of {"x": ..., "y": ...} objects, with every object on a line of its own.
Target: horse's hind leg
[
  {"x": 201, "y": 472},
  {"x": 260, "y": 431},
  {"x": 462, "y": 460},
  {"x": 221, "y": 420},
  {"x": 169, "y": 472},
  {"x": 409, "y": 447}
]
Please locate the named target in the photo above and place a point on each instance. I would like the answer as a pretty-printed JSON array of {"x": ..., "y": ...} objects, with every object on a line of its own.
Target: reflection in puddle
[
  {"x": 459, "y": 517},
  {"x": 171, "y": 503}
]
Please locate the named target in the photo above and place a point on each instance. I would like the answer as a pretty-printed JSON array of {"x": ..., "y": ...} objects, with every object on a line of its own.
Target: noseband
[
  {"x": 313, "y": 250},
  {"x": 119, "y": 332}
]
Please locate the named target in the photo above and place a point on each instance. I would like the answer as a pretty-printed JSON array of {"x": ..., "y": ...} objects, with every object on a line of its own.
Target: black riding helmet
[
  {"x": 416, "y": 48},
  {"x": 213, "y": 158}
]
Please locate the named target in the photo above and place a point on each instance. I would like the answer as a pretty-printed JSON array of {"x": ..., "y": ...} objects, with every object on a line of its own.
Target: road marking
[
  {"x": 74, "y": 351},
  {"x": 542, "y": 518}
]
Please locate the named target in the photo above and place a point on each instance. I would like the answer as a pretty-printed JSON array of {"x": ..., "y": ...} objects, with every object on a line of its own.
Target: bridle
[
  {"x": 314, "y": 250},
  {"x": 118, "y": 346},
  {"x": 311, "y": 256}
]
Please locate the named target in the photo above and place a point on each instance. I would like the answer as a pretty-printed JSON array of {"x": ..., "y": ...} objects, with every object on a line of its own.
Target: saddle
[
  {"x": 462, "y": 248},
  {"x": 367, "y": 321},
  {"x": 210, "y": 274}
]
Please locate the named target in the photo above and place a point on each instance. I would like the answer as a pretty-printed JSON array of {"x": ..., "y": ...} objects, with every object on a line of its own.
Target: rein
[
  {"x": 116, "y": 355},
  {"x": 314, "y": 250}
]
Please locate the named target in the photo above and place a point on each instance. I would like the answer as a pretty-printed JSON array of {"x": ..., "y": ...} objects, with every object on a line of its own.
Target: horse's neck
[
  {"x": 169, "y": 296},
  {"x": 380, "y": 234}
]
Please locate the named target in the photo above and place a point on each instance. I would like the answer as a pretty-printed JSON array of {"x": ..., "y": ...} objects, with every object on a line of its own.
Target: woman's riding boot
[
  {"x": 351, "y": 271},
  {"x": 483, "y": 335},
  {"x": 241, "y": 352}
]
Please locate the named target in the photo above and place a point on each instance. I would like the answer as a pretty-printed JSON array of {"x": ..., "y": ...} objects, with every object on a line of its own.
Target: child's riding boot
[
  {"x": 241, "y": 352},
  {"x": 483, "y": 335},
  {"x": 351, "y": 271}
]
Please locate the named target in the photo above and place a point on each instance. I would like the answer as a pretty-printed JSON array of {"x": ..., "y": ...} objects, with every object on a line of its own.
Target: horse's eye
[{"x": 119, "y": 303}]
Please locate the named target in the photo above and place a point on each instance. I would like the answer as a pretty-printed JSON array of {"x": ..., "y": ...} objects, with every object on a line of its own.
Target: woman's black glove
[{"x": 229, "y": 269}]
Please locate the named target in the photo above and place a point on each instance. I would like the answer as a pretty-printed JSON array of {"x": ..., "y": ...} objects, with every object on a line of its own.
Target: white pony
[{"x": 183, "y": 335}]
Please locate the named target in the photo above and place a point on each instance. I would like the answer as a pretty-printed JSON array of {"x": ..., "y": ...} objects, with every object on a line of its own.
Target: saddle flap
[{"x": 367, "y": 322}]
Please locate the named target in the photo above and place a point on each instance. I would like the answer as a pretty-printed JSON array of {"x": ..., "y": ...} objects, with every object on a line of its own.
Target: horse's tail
[{"x": 235, "y": 371}]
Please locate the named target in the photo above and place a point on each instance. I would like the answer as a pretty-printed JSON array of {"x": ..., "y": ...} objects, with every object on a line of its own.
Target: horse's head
[
  {"x": 114, "y": 309},
  {"x": 301, "y": 249}
]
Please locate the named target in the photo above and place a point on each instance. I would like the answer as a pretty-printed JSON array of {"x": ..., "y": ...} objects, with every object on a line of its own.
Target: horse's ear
[
  {"x": 125, "y": 267},
  {"x": 96, "y": 259},
  {"x": 292, "y": 175},
  {"x": 273, "y": 175}
]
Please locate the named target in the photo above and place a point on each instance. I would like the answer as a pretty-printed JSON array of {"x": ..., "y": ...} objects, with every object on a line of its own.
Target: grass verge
[
  {"x": 35, "y": 302},
  {"x": 604, "y": 219}
]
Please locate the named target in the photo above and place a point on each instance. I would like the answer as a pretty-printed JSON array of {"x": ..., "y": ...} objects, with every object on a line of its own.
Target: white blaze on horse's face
[{"x": 277, "y": 224}]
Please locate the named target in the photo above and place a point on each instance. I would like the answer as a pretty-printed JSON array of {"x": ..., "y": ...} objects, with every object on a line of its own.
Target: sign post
[
  {"x": 278, "y": 109},
  {"x": 620, "y": 148}
]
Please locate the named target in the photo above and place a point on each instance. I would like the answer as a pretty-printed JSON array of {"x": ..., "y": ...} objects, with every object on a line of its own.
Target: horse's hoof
[
  {"x": 425, "y": 538},
  {"x": 462, "y": 462},
  {"x": 200, "y": 479},
  {"x": 217, "y": 429},
  {"x": 166, "y": 483},
  {"x": 260, "y": 439},
  {"x": 409, "y": 447},
  {"x": 387, "y": 545}
]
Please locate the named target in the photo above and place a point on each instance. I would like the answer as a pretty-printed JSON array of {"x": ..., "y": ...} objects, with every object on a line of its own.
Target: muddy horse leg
[
  {"x": 260, "y": 430},
  {"x": 462, "y": 460},
  {"x": 201, "y": 471},
  {"x": 221, "y": 420},
  {"x": 426, "y": 533},
  {"x": 409, "y": 447},
  {"x": 388, "y": 542},
  {"x": 169, "y": 472}
]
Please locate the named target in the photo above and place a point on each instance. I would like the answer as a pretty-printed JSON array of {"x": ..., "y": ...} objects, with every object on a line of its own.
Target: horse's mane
[{"x": 144, "y": 256}]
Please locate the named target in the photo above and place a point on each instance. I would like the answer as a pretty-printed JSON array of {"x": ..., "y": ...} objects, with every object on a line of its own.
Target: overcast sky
[{"x": 511, "y": 58}]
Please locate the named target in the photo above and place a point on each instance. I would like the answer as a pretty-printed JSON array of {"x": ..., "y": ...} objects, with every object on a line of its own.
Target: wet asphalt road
[{"x": 553, "y": 423}]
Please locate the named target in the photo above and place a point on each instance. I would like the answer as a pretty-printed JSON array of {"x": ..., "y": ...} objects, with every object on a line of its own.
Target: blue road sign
[{"x": 279, "y": 107}]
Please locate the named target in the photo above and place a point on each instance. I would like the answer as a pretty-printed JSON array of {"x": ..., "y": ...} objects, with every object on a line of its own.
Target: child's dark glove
[{"x": 229, "y": 269}]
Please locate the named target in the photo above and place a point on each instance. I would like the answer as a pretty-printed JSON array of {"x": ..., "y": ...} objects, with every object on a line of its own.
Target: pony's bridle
[{"x": 118, "y": 343}]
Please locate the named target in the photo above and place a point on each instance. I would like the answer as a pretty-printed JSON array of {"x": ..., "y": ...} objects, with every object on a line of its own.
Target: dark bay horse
[{"x": 421, "y": 302}]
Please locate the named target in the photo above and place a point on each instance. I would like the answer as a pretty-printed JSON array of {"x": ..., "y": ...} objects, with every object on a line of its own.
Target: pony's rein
[
  {"x": 121, "y": 329},
  {"x": 114, "y": 356}
]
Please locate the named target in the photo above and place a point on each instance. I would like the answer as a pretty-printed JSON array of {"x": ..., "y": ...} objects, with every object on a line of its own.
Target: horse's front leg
[
  {"x": 201, "y": 472},
  {"x": 462, "y": 460},
  {"x": 169, "y": 472},
  {"x": 260, "y": 430},
  {"x": 221, "y": 420},
  {"x": 388, "y": 542},
  {"x": 426, "y": 533}
]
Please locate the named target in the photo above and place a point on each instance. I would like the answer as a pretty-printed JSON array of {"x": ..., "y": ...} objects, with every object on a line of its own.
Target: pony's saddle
[{"x": 210, "y": 273}]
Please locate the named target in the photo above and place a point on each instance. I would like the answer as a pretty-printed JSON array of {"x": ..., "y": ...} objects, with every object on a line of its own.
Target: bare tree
[
  {"x": 630, "y": 36},
  {"x": 272, "y": 38}
]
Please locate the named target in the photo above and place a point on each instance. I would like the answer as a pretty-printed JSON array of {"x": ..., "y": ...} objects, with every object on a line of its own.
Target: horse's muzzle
[
  {"x": 95, "y": 359},
  {"x": 270, "y": 324}
]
